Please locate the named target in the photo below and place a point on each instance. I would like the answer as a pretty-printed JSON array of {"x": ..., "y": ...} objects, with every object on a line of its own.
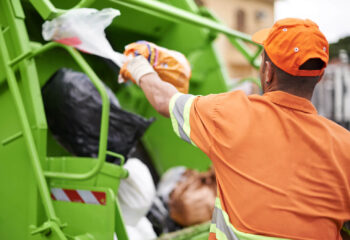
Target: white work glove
[{"x": 134, "y": 69}]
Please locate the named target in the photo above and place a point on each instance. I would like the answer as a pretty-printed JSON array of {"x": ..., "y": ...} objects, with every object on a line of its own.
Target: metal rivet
[
  {"x": 296, "y": 49},
  {"x": 284, "y": 29},
  {"x": 324, "y": 49}
]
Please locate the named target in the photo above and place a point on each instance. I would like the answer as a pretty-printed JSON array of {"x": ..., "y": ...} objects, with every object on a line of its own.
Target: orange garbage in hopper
[
  {"x": 171, "y": 66},
  {"x": 192, "y": 200}
]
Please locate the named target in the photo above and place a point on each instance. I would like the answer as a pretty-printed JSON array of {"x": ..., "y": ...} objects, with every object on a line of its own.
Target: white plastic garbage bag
[
  {"x": 142, "y": 231},
  {"x": 169, "y": 181},
  {"x": 136, "y": 193},
  {"x": 83, "y": 29}
]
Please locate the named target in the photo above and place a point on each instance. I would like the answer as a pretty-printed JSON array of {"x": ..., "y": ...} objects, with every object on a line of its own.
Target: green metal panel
[
  {"x": 35, "y": 214},
  {"x": 19, "y": 195},
  {"x": 87, "y": 219},
  {"x": 18, "y": 192},
  {"x": 109, "y": 176}
]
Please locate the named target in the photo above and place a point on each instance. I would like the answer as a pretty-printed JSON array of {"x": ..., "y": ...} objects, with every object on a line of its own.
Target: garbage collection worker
[{"x": 283, "y": 171}]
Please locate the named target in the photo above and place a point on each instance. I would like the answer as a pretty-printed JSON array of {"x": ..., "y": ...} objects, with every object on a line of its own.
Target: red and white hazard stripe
[{"x": 81, "y": 196}]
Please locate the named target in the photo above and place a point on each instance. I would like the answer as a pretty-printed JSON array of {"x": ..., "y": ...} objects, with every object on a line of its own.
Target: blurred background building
[
  {"x": 246, "y": 16},
  {"x": 332, "y": 94}
]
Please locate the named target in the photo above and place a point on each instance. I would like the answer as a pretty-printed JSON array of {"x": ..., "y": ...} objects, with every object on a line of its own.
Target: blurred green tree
[{"x": 343, "y": 43}]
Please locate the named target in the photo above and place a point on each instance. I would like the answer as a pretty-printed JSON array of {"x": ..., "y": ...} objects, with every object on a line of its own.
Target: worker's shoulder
[
  {"x": 336, "y": 129},
  {"x": 233, "y": 102},
  {"x": 226, "y": 95},
  {"x": 227, "y": 98}
]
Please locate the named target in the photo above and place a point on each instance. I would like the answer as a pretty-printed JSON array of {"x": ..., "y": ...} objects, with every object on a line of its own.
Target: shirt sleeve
[{"x": 192, "y": 119}]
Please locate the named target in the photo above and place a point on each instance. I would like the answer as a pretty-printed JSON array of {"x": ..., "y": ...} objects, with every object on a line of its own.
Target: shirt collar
[{"x": 291, "y": 101}]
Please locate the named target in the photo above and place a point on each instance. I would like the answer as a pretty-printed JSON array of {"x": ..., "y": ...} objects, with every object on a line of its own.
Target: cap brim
[{"x": 260, "y": 36}]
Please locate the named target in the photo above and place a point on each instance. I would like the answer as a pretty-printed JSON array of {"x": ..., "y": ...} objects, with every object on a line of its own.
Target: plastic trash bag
[
  {"x": 136, "y": 193},
  {"x": 142, "y": 231},
  {"x": 159, "y": 213},
  {"x": 144, "y": 227},
  {"x": 73, "y": 111},
  {"x": 83, "y": 29},
  {"x": 193, "y": 199},
  {"x": 169, "y": 181},
  {"x": 171, "y": 66},
  {"x": 160, "y": 218}
]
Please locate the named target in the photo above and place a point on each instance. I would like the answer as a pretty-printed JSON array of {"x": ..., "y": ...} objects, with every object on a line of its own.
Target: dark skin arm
[{"x": 158, "y": 92}]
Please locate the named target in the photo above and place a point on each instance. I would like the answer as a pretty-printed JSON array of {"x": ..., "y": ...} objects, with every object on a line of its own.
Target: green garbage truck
[{"x": 33, "y": 164}]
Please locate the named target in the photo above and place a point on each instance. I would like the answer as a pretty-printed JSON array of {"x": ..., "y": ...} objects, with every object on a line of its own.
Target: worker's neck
[{"x": 303, "y": 94}]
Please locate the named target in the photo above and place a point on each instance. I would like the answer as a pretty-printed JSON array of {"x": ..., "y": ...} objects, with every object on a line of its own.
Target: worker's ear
[{"x": 269, "y": 71}]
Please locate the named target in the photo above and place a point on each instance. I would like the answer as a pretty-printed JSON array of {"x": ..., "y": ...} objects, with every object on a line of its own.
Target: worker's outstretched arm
[{"x": 157, "y": 91}]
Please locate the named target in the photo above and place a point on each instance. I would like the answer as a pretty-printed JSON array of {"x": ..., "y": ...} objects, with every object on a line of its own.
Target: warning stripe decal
[
  {"x": 73, "y": 195},
  {"x": 53, "y": 197},
  {"x": 88, "y": 197},
  {"x": 100, "y": 196},
  {"x": 80, "y": 196}
]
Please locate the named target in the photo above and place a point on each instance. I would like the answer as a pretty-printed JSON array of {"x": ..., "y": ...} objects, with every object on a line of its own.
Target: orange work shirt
[{"x": 282, "y": 170}]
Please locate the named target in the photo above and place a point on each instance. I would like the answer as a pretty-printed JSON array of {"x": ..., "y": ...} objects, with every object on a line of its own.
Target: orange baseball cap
[{"x": 291, "y": 42}]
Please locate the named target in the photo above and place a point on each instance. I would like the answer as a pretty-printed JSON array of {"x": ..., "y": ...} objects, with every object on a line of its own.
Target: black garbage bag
[
  {"x": 160, "y": 218},
  {"x": 73, "y": 111}
]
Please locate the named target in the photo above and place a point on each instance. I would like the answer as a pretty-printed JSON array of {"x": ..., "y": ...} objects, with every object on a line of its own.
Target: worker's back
[{"x": 282, "y": 170}]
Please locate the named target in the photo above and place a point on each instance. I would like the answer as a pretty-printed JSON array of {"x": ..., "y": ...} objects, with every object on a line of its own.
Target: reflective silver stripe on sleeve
[
  {"x": 223, "y": 226},
  {"x": 178, "y": 112},
  {"x": 219, "y": 221}
]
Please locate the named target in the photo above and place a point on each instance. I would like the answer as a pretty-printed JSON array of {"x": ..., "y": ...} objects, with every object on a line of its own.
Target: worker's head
[{"x": 294, "y": 58}]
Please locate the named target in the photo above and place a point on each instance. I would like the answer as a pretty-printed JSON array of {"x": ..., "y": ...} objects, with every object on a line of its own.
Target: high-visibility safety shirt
[{"x": 283, "y": 171}]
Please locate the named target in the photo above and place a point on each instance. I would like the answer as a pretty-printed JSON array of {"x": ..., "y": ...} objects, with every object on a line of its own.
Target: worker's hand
[
  {"x": 171, "y": 66},
  {"x": 134, "y": 69}
]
